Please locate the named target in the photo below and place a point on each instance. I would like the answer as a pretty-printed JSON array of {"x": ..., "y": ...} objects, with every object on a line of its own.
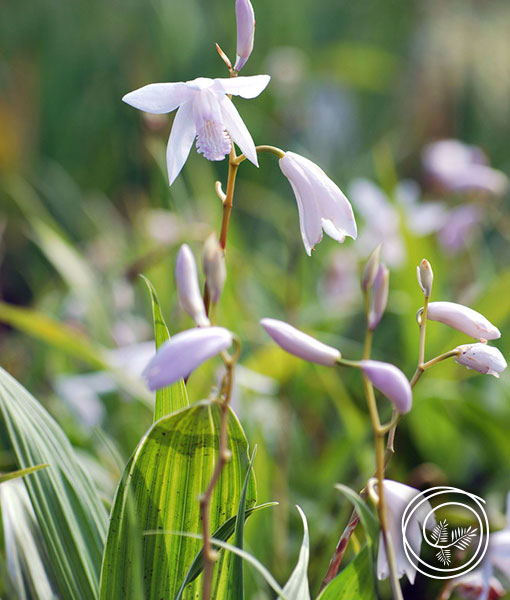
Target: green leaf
[
  {"x": 297, "y": 587},
  {"x": 20, "y": 473},
  {"x": 69, "y": 512},
  {"x": 174, "y": 397},
  {"x": 355, "y": 582},
  {"x": 367, "y": 517},
  {"x": 168, "y": 472},
  {"x": 222, "y": 533}
]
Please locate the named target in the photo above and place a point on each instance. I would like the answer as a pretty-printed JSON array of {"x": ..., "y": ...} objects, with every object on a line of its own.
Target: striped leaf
[
  {"x": 164, "y": 479},
  {"x": 69, "y": 512}
]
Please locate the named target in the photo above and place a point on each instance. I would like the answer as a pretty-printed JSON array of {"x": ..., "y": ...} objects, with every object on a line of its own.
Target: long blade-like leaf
[
  {"x": 297, "y": 586},
  {"x": 20, "y": 473},
  {"x": 174, "y": 397},
  {"x": 69, "y": 512},
  {"x": 168, "y": 472}
]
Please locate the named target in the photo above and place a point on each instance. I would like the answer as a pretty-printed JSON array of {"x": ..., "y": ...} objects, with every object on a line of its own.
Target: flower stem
[
  {"x": 224, "y": 455},
  {"x": 233, "y": 165}
]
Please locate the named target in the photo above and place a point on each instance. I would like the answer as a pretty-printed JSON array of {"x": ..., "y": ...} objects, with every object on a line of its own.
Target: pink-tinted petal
[
  {"x": 179, "y": 356},
  {"x": 482, "y": 358},
  {"x": 300, "y": 344},
  {"x": 159, "y": 98},
  {"x": 390, "y": 380},
  {"x": 237, "y": 129},
  {"x": 245, "y": 18},
  {"x": 464, "y": 319},
  {"x": 246, "y": 87},
  {"x": 180, "y": 141}
]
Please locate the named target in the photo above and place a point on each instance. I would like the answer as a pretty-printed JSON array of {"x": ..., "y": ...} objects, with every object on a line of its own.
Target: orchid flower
[
  {"x": 245, "y": 18},
  {"x": 389, "y": 380},
  {"x": 183, "y": 353},
  {"x": 471, "y": 585},
  {"x": 481, "y": 358},
  {"x": 464, "y": 319},
  {"x": 321, "y": 204},
  {"x": 213, "y": 260},
  {"x": 398, "y": 496},
  {"x": 379, "y": 296},
  {"x": 300, "y": 344},
  {"x": 204, "y": 112},
  {"x": 186, "y": 277}
]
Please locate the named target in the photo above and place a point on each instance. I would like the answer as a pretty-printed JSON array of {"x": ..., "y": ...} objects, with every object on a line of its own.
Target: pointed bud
[
  {"x": 482, "y": 358},
  {"x": 425, "y": 277},
  {"x": 379, "y": 296},
  {"x": 464, "y": 319},
  {"x": 214, "y": 267},
  {"x": 389, "y": 380},
  {"x": 245, "y": 18},
  {"x": 183, "y": 353},
  {"x": 300, "y": 344},
  {"x": 371, "y": 269},
  {"x": 187, "y": 285}
]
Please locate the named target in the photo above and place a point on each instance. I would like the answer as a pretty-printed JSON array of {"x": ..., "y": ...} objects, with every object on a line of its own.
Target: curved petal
[
  {"x": 237, "y": 129},
  {"x": 246, "y": 87},
  {"x": 159, "y": 98},
  {"x": 180, "y": 141}
]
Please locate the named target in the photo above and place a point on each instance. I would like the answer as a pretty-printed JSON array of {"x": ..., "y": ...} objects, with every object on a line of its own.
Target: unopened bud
[
  {"x": 371, "y": 268},
  {"x": 379, "y": 296},
  {"x": 186, "y": 277},
  {"x": 245, "y": 18},
  {"x": 214, "y": 267},
  {"x": 425, "y": 277}
]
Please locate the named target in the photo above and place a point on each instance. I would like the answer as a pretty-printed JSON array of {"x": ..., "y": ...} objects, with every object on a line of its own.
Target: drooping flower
[
  {"x": 397, "y": 497},
  {"x": 389, "y": 380},
  {"x": 471, "y": 587},
  {"x": 482, "y": 358},
  {"x": 205, "y": 112},
  {"x": 464, "y": 319},
  {"x": 458, "y": 167},
  {"x": 213, "y": 260},
  {"x": 186, "y": 277},
  {"x": 183, "y": 353},
  {"x": 379, "y": 296},
  {"x": 321, "y": 204},
  {"x": 300, "y": 344},
  {"x": 245, "y": 18}
]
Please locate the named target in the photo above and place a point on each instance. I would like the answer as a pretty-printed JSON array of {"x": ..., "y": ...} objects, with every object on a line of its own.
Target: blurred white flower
[
  {"x": 397, "y": 497},
  {"x": 321, "y": 203},
  {"x": 204, "y": 112}
]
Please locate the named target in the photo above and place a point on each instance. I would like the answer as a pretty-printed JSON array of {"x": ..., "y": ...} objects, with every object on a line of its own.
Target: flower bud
[
  {"x": 481, "y": 358},
  {"x": 389, "y": 380},
  {"x": 425, "y": 277},
  {"x": 300, "y": 344},
  {"x": 464, "y": 319},
  {"x": 183, "y": 353},
  {"x": 187, "y": 286},
  {"x": 214, "y": 267},
  {"x": 371, "y": 269},
  {"x": 245, "y": 18},
  {"x": 379, "y": 296}
]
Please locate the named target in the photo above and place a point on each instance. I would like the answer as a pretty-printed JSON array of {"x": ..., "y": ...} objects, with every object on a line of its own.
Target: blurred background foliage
[{"x": 360, "y": 88}]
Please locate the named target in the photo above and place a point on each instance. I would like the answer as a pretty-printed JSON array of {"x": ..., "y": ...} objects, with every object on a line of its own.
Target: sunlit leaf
[{"x": 355, "y": 582}]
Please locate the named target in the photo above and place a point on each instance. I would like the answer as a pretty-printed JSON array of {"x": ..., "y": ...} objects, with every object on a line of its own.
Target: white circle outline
[{"x": 424, "y": 497}]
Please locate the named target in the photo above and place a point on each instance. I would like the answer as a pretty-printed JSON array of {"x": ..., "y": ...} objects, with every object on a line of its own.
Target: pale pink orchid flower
[
  {"x": 300, "y": 344},
  {"x": 321, "y": 204},
  {"x": 389, "y": 380},
  {"x": 245, "y": 18},
  {"x": 463, "y": 319},
  {"x": 205, "y": 112},
  {"x": 482, "y": 358},
  {"x": 186, "y": 277},
  {"x": 183, "y": 353},
  {"x": 397, "y": 497}
]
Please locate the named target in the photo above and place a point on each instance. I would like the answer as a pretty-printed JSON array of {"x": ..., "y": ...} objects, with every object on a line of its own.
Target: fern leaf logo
[
  {"x": 444, "y": 556},
  {"x": 463, "y": 536},
  {"x": 440, "y": 533}
]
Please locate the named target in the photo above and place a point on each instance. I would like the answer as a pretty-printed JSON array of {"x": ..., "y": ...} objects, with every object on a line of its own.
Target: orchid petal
[
  {"x": 180, "y": 141},
  {"x": 237, "y": 129},
  {"x": 186, "y": 277},
  {"x": 246, "y": 87},
  {"x": 183, "y": 353},
  {"x": 389, "y": 380},
  {"x": 159, "y": 98},
  {"x": 245, "y": 18},
  {"x": 464, "y": 319},
  {"x": 481, "y": 358}
]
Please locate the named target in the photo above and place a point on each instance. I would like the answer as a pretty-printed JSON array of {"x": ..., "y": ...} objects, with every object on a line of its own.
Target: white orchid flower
[
  {"x": 321, "y": 203},
  {"x": 204, "y": 112}
]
